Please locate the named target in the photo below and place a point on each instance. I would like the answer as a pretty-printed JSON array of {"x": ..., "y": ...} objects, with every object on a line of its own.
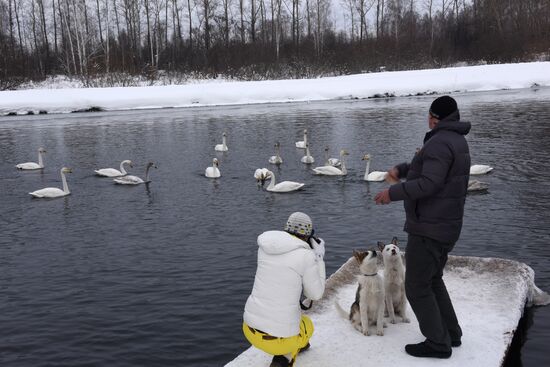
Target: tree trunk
[
  {"x": 99, "y": 23},
  {"x": 190, "y": 24},
  {"x": 54, "y": 28}
]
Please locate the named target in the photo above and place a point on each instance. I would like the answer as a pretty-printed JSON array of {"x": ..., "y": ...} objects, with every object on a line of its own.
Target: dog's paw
[
  {"x": 366, "y": 332},
  {"x": 406, "y": 320},
  {"x": 393, "y": 321},
  {"x": 384, "y": 325},
  {"x": 380, "y": 333}
]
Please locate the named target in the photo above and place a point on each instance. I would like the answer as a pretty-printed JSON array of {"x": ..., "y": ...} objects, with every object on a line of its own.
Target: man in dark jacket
[{"x": 434, "y": 195}]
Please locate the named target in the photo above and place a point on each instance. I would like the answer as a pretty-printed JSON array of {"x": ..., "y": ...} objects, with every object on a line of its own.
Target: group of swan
[
  {"x": 134, "y": 180},
  {"x": 121, "y": 177},
  {"x": 329, "y": 169},
  {"x": 332, "y": 167}
]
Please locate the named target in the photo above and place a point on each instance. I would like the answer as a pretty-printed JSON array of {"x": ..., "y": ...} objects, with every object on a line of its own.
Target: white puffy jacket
[{"x": 286, "y": 265}]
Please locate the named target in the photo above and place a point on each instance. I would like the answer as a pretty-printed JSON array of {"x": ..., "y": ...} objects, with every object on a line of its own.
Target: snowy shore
[
  {"x": 400, "y": 83},
  {"x": 489, "y": 296}
]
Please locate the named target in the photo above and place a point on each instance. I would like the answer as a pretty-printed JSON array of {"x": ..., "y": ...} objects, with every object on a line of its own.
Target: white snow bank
[
  {"x": 402, "y": 83},
  {"x": 489, "y": 296}
]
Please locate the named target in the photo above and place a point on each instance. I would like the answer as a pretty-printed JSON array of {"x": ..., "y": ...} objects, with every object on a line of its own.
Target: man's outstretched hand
[
  {"x": 383, "y": 197},
  {"x": 392, "y": 177}
]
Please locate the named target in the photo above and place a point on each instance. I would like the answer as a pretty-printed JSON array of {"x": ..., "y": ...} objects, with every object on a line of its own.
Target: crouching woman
[{"x": 290, "y": 263}]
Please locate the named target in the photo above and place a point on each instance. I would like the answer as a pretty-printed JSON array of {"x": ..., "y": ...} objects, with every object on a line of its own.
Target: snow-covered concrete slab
[
  {"x": 489, "y": 296},
  {"x": 401, "y": 83}
]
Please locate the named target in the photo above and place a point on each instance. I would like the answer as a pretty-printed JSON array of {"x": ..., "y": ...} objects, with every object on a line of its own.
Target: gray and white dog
[
  {"x": 394, "y": 281},
  {"x": 368, "y": 308}
]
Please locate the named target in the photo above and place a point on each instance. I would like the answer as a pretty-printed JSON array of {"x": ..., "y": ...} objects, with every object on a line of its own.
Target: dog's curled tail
[{"x": 341, "y": 311}]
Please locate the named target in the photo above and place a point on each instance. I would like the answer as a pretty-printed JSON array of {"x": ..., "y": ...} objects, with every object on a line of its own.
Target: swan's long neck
[
  {"x": 278, "y": 152},
  {"x": 343, "y": 166},
  {"x": 272, "y": 182},
  {"x": 305, "y": 138},
  {"x": 307, "y": 151},
  {"x": 368, "y": 168},
  {"x": 40, "y": 159},
  {"x": 224, "y": 141},
  {"x": 65, "y": 186},
  {"x": 326, "y": 158},
  {"x": 122, "y": 170},
  {"x": 147, "y": 173}
]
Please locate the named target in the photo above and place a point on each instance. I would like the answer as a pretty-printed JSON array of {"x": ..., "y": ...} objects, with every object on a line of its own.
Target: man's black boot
[{"x": 424, "y": 351}]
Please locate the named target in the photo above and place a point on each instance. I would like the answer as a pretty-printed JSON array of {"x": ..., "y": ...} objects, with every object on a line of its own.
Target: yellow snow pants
[{"x": 281, "y": 346}]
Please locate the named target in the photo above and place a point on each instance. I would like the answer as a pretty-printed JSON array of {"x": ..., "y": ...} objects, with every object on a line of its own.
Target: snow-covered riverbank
[
  {"x": 401, "y": 83},
  {"x": 489, "y": 296}
]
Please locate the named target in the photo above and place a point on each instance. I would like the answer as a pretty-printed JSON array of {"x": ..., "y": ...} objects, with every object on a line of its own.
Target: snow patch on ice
[{"x": 216, "y": 93}]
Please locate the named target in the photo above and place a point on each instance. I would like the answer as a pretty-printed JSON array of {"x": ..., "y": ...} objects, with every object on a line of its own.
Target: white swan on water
[
  {"x": 111, "y": 172},
  {"x": 33, "y": 165},
  {"x": 477, "y": 186},
  {"x": 276, "y": 159},
  {"x": 285, "y": 186},
  {"x": 302, "y": 144},
  {"x": 480, "y": 169},
  {"x": 134, "y": 180},
  {"x": 329, "y": 170},
  {"x": 308, "y": 158},
  {"x": 54, "y": 192},
  {"x": 261, "y": 174},
  {"x": 213, "y": 171},
  {"x": 374, "y": 176},
  {"x": 331, "y": 161},
  {"x": 223, "y": 146}
]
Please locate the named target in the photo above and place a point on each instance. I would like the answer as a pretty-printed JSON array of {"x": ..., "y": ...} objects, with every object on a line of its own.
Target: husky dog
[
  {"x": 394, "y": 281},
  {"x": 368, "y": 308}
]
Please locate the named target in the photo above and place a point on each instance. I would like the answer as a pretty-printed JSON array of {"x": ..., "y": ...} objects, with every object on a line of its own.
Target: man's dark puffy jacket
[{"x": 437, "y": 181}]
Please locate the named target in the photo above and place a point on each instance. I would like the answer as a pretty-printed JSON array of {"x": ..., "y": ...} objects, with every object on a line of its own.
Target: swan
[
  {"x": 331, "y": 161},
  {"x": 276, "y": 159},
  {"x": 480, "y": 169},
  {"x": 374, "y": 176},
  {"x": 32, "y": 165},
  {"x": 329, "y": 170},
  {"x": 134, "y": 180},
  {"x": 214, "y": 171},
  {"x": 261, "y": 174},
  {"x": 302, "y": 144},
  {"x": 54, "y": 192},
  {"x": 223, "y": 146},
  {"x": 285, "y": 186},
  {"x": 308, "y": 159},
  {"x": 476, "y": 186},
  {"x": 111, "y": 172}
]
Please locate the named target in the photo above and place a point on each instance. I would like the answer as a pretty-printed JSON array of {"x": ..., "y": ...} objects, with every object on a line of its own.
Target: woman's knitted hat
[{"x": 299, "y": 223}]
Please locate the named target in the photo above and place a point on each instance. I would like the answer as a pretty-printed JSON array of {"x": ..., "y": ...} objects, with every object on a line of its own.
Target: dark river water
[{"x": 159, "y": 275}]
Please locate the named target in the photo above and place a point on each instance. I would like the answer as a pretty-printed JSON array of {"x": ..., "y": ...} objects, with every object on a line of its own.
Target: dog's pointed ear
[
  {"x": 359, "y": 256},
  {"x": 395, "y": 241},
  {"x": 381, "y": 245}
]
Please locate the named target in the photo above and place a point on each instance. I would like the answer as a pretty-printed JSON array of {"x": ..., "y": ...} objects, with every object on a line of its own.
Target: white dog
[
  {"x": 394, "y": 281},
  {"x": 368, "y": 308}
]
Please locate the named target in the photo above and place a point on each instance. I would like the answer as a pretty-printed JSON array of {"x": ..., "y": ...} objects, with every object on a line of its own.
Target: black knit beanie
[{"x": 443, "y": 107}]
